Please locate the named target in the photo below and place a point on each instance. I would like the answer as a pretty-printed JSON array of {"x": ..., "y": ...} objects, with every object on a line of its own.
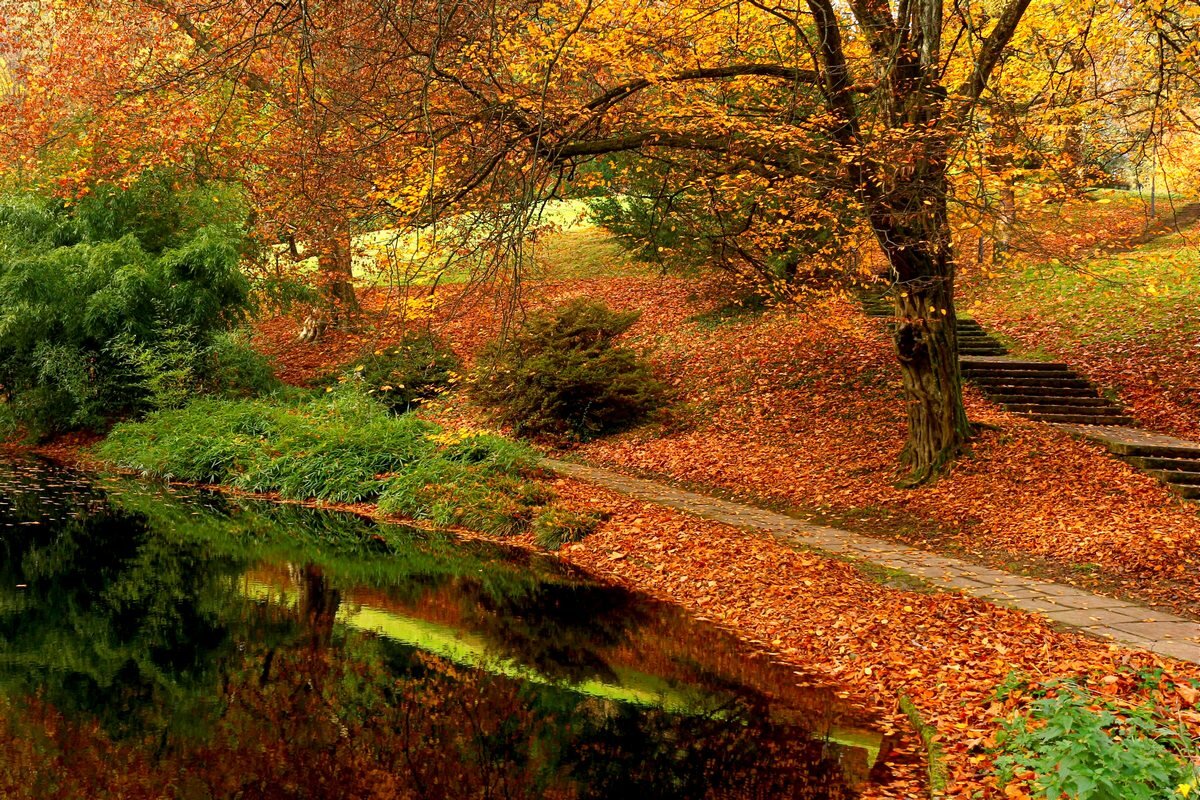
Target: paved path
[{"x": 1127, "y": 623}]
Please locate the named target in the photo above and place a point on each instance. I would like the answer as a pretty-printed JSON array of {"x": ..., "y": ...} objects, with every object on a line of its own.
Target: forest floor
[{"x": 803, "y": 413}]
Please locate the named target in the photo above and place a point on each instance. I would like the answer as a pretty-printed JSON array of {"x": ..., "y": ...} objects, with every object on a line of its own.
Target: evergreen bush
[
  {"x": 406, "y": 374},
  {"x": 109, "y": 306},
  {"x": 563, "y": 374}
]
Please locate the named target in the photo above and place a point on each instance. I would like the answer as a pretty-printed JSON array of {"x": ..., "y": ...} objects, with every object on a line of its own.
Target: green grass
[
  {"x": 1148, "y": 289},
  {"x": 571, "y": 247},
  {"x": 342, "y": 448}
]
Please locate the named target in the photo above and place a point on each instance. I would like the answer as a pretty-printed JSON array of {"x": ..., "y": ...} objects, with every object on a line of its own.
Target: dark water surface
[{"x": 166, "y": 644}]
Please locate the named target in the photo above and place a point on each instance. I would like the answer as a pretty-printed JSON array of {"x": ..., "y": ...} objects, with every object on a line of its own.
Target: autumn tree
[{"x": 422, "y": 114}]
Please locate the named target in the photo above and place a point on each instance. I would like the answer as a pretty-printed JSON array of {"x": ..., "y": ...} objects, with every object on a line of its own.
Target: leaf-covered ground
[
  {"x": 804, "y": 412},
  {"x": 948, "y": 652}
]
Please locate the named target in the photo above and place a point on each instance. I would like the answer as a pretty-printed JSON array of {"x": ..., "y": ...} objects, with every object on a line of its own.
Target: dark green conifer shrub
[
  {"x": 563, "y": 374},
  {"x": 406, "y": 374}
]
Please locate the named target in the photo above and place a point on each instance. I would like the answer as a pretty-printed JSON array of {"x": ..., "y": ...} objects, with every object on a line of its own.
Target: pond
[{"x": 177, "y": 644}]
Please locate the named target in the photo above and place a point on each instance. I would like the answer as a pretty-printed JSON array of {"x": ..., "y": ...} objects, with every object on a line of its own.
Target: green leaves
[
  {"x": 563, "y": 374},
  {"x": 107, "y": 305},
  {"x": 1081, "y": 746}
]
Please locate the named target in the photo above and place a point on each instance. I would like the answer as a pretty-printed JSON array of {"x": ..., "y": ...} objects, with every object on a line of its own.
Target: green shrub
[
  {"x": 555, "y": 527},
  {"x": 1082, "y": 746},
  {"x": 341, "y": 447},
  {"x": 563, "y": 374},
  {"x": 235, "y": 369},
  {"x": 108, "y": 307},
  {"x": 673, "y": 215},
  {"x": 404, "y": 375}
]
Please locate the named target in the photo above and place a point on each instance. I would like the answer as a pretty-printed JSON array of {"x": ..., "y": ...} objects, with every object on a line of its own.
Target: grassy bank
[{"x": 343, "y": 448}]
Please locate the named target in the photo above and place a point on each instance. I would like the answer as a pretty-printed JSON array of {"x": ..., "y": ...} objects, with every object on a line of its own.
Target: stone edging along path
[{"x": 1119, "y": 621}]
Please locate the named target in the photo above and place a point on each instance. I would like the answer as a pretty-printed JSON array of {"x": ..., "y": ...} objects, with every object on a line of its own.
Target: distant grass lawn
[
  {"x": 1151, "y": 289},
  {"x": 569, "y": 247}
]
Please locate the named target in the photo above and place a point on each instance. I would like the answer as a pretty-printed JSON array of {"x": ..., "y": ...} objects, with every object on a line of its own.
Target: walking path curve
[{"x": 1123, "y": 622}]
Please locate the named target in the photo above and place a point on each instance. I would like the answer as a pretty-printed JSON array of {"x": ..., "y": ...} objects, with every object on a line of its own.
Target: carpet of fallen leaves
[
  {"x": 805, "y": 411},
  {"x": 947, "y": 651}
]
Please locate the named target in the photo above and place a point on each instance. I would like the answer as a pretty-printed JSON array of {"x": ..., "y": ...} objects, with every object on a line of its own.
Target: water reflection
[{"x": 157, "y": 644}]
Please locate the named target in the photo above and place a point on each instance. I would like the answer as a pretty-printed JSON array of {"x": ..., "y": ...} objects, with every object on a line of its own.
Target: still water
[{"x": 168, "y": 644}]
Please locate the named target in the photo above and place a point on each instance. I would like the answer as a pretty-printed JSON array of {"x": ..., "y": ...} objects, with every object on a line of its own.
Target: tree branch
[
  {"x": 618, "y": 93},
  {"x": 993, "y": 47}
]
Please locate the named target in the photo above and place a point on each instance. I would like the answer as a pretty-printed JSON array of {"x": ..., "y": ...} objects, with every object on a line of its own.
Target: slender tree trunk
[
  {"x": 1005, "y": 220},
  {"x": 336, "y": 276}
]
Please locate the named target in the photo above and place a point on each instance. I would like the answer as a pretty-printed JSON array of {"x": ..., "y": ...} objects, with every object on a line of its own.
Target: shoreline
[{"x": 945, "y": 651}]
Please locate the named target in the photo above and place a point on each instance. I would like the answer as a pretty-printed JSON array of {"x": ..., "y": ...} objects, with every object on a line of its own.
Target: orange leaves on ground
[{"x": 948, "y": 652}]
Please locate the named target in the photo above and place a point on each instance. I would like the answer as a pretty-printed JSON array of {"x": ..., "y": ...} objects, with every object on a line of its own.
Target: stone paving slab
[
  {"x": 1124, "y": 440},
  {"x": 1105, "y": 617}
]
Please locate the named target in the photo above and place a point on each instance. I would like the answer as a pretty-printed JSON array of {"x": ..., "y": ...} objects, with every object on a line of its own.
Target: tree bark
[
  {"x": 336, "y": 278},
  {"x": 926, "y": 343},
  {"x": 912, "y": 227}
]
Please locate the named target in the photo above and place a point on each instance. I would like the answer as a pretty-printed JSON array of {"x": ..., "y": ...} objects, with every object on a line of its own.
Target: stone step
[
  {"x": 982, "y": 351},
  {"x": 1175, "y": 464},
  {"x": 975, "y": 373},
  {"x": 1082, "y": 419},
  {"x": 1078, "y": 403},
  {"x": 1014, "y": 363},
  {"x": 1176, "y": 477},
  {"x": 1040, "y": 382},
  {"x": 1184, "y": 491},
  {"x": 1052, "y": 406},
  {"x": 1063, "y": 395},
  {"x": 1152, "y": 450}
]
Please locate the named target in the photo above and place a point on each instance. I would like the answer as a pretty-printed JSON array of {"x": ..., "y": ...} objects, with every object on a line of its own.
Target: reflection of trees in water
[
  {"x": 372, "y": 720},
  {"x": 559, "y": 628},
  {"x": 130, "y": 662}
]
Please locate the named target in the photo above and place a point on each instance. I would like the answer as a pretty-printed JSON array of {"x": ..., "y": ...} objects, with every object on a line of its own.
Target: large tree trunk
[
  {"x": 926, "y": 342},
  {"x": 915, "y": 235},
  {"x": 336, "y": 276}
]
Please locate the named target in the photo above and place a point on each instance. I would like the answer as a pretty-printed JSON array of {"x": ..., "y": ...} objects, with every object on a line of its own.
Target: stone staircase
[
  {"x": 1175, "y": 462},
  {"x": 1055, "y": 393}
]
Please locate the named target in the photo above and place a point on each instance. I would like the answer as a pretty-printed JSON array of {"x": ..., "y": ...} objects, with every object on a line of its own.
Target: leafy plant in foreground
[{"x": 1081, "y": 746}]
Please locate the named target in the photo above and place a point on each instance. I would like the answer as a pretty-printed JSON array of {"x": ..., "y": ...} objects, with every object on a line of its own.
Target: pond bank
[
  {"x": 168, "y": 637},
  {"x": 948, "y": 652}
]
